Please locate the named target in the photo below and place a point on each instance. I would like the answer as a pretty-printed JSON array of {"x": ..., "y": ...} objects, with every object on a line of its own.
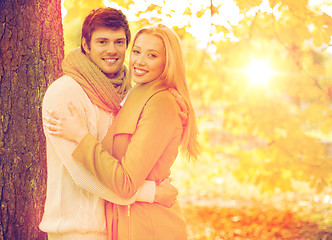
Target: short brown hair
[{"x": 104, "y": 17}]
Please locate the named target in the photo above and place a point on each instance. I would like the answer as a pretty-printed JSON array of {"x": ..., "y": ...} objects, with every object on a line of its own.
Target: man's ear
[{"x": 85, "y": 45}]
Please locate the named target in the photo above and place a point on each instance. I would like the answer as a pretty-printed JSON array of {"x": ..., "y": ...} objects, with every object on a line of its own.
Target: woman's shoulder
[
  {"x": 164, "y": 100},
  {"x": 163, "y": 95}
]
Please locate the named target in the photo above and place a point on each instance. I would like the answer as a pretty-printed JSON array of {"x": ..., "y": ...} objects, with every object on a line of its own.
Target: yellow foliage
[
  {"x": 296, "y": 5},
  {"x": 246, "y": 5},
  {"x": 153, "y": 7},
  {"x": 72, "y": 22},
  {"x": 123, "y": 3},
  {"x": 276, "y": 131}
]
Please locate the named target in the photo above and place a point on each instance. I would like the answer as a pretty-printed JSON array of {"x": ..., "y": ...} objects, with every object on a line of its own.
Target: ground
[{"x": 254, "y": 221}]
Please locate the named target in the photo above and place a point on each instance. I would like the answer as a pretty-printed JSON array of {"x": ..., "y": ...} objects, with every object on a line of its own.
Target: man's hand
[
  {"x": 166, "y": 193},
  {"x": 182, "y": 104},
  {"x": 70, "y": 127}
]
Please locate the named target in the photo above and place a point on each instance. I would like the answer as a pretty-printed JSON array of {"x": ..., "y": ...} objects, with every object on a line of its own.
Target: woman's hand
[{"x": 70, "y": 127}]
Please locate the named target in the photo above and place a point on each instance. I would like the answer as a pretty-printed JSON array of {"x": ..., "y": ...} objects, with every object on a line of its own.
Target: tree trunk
[{"x": 31, "y": 52}]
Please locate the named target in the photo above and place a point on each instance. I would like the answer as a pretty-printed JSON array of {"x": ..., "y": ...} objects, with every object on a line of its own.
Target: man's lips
[{"x": 110, "y": 60}]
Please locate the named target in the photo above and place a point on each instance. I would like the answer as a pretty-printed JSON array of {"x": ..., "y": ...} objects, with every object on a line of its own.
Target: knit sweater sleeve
[{"x": 57, "y": 97}]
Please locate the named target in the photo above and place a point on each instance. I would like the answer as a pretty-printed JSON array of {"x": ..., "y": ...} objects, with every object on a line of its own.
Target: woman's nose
[{"x": 140, "y": 60}]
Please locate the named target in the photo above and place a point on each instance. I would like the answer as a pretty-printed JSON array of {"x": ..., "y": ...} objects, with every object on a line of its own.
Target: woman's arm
[{"x": 158, "y": 126}]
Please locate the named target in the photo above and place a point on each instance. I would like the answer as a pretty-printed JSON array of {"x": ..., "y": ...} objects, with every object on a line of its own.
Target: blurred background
[{"x": 260, "y": 75}]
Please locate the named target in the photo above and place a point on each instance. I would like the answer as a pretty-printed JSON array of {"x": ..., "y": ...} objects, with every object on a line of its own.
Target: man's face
[{"x": 107, "y": 50}]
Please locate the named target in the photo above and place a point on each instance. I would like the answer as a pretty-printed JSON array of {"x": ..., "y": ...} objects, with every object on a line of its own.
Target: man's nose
[{"x": 111, "y": 48}]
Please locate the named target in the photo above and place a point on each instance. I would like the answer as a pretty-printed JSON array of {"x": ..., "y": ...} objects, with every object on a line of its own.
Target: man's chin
[{"x": 112, "y": 74}]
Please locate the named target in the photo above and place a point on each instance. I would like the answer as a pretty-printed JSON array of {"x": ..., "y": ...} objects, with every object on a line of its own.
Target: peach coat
[{"x": 145, "y": 137}]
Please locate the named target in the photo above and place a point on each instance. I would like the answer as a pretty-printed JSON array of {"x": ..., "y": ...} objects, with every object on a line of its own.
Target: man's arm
[{"x": 166, "y": 193}]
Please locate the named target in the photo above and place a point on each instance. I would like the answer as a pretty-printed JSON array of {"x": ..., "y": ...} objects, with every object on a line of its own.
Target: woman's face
[{"x": 147, "y": 58}]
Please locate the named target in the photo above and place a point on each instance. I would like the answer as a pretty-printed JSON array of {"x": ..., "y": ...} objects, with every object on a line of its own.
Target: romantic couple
[{"x": 110, "y": 147}]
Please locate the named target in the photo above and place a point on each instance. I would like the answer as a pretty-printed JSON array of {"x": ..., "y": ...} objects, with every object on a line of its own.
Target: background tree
[
  {"x": 31, "y": 51},
  {"x": 273, "y": 127},
  {"x": 75, "y": 13}
]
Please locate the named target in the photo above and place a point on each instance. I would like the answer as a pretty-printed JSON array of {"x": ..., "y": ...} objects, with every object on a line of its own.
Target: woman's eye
[{"x": 136, "y": 51}]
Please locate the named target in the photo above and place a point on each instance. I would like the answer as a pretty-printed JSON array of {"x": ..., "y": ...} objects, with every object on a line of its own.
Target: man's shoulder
[
  {"x": 64, "y": 87},
  {"x": 64, "y": 83}
]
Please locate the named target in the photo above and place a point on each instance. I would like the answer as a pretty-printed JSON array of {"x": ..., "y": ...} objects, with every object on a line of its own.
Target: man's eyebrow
[
  {"x": 107, "y": 39},
  {"x": 101, "y": 38}
]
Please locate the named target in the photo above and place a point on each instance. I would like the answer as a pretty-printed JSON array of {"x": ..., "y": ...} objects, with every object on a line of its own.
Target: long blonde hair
[{"x": 175, "y": 77}]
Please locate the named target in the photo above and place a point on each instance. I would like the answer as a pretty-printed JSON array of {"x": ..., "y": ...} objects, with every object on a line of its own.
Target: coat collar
[{"x": 127, "y": 118}]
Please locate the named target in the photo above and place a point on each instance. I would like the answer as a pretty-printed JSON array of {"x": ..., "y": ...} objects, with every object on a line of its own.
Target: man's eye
[
  {"x": 101, "y": 42},
  {"x": 152, "y": 55},
  {"x": 120, "y": 42},
  {"x": 136, "y": 51}
]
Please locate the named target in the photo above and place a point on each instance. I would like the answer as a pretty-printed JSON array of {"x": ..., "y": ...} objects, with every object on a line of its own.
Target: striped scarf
[{"x": 106, "y": 93}]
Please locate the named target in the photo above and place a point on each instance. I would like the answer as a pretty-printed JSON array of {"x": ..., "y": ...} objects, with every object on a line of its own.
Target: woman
[{"x": 143, "y": 141}]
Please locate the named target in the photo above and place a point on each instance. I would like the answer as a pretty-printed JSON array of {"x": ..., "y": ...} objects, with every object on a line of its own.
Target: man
[{"x": 95, "y": 81}]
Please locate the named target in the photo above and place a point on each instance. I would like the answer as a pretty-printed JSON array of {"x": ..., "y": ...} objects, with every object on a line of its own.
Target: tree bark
[{"x": 31, "y": 52}]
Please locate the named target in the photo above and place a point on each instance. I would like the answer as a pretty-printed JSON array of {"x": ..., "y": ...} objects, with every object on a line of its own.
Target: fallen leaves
[{"x": 220, "y": 223}]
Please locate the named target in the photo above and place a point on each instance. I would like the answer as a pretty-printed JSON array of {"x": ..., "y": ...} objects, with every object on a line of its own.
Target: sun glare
[
  {"x": 259, "y": 72},
  {"x": 63, "y": 9}
]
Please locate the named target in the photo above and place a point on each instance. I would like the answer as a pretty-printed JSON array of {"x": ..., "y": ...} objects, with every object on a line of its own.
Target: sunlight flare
[{"x": 259, "y": 72}]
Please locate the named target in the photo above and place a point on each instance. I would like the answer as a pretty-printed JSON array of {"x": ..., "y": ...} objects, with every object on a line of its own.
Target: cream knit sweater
[{"x": 74, "y": 201}]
